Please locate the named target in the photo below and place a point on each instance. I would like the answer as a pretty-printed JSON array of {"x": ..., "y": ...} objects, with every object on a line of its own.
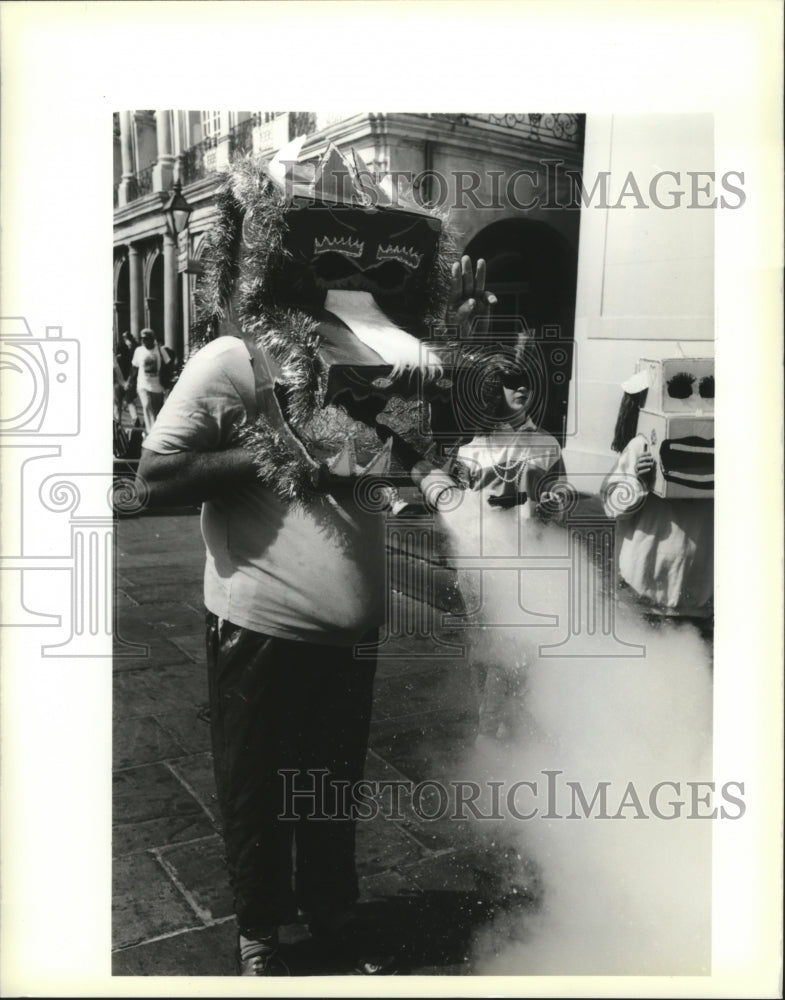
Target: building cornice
[{"x": 507, "y": 145}]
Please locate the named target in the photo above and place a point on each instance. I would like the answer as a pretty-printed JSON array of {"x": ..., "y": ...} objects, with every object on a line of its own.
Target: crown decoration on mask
[
  {"x": 338, "y": 244},
  {"x": 404, "y": 255},
  {"x": 346, "y": 231}
]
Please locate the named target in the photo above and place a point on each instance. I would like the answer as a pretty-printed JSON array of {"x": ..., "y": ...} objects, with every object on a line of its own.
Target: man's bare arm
[{"x": 189, "y": 477}]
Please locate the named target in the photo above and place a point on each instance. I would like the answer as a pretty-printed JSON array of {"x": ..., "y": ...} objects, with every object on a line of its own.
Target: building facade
[{"x": 504, "y": 179}]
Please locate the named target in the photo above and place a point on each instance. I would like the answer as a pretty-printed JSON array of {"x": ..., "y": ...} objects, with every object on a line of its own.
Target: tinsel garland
[
  {"x": 280, "y": 465},
  {"x": 290, "y": 337}
]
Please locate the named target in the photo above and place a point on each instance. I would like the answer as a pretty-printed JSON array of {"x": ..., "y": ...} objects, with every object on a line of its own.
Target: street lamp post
[{"x": 176, "y": 211}]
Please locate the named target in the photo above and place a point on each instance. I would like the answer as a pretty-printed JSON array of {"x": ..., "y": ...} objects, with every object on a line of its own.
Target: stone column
[
  {"x": 223, "y": 150},
  {"x": 137, "y": 290},
  {"x": 163, "y": 172},
  {"x": 171, "y": 336},
  {"x": 185, "y": 305},
  {"x": 125, "y": 189}
]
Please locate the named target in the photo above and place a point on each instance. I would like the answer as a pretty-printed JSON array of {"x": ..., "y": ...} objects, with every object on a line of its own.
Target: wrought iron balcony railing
[
  {"x": 301, "y": 123},
  {"x": 144, "y": 181},
  {"x": 139, "y": 185},
  {"x": 241, "y": 137},
  {"x": 198, "y": 161},
  {"x": 266, "y": 131},
  {"x": 558, "y": 129}
]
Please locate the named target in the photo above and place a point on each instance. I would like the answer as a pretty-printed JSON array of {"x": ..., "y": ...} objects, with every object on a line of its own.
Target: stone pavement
[{"x": 431, "y": 885}]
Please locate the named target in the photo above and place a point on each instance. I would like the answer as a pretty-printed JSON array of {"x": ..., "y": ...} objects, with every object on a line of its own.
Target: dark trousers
[{"x": 280, "y": 706}]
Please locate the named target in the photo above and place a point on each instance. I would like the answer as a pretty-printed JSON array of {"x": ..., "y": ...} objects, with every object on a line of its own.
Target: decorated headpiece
[
  {"x": 288, "y": 233},
  {"x": 344, "y": 282},
  {"x": 345, "y": 231}
]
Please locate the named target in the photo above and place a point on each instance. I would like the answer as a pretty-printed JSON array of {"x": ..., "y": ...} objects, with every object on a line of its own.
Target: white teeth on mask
[
  {"x": 345, "y": 462},
  {"x": 379, "y": 465},
  {"x": 359, "y": 311}
]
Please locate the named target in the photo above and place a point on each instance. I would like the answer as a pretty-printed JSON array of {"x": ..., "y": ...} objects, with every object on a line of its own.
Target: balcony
[
  {"x": 279, "y": 128},
  {"x": 262, "y": 133},
  {"x": 198, "y": 161},
  {"x": 241, "y": 137},
  {"x": 140, "y": 184}
]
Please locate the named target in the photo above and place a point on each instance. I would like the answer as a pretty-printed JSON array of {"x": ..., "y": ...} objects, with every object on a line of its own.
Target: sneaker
[
  {"x": 264, "y": 965},
  {"x": 264, "y": 962}
]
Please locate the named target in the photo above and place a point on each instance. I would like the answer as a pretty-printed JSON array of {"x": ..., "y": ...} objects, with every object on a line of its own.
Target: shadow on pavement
[{"x": 431, "y": 930}]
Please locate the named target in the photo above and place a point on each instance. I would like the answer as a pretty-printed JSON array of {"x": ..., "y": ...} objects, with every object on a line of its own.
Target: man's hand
[
  {"x": 549, "y": 505},
  {"x": 644, "y": 468},
  {"x": 469, "y": 305}
]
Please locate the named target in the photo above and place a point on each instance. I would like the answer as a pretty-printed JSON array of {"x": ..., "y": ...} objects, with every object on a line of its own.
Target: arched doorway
[
  {"x": 154, "y": 298},
  {"x": 122, "y": 298},
  {"x": 532, "y": 270}
]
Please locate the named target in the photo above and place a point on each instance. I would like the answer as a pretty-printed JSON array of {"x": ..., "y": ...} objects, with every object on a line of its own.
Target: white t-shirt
[
  {"x": 312, "y": 575},
  {"x": 149, "y": 363}
]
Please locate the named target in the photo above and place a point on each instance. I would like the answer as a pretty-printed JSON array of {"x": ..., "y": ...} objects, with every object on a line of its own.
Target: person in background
[
  {"x": 147, "y": 365},
  {"x": 515, "y": 464},
  {"x": 123, "y": 356},
  {"x": 664, "y": 547},
  {"x": 119, "y": 386}
]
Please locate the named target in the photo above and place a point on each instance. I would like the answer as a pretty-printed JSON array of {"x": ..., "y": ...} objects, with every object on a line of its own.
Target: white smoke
[{"x": 618, "y": 896}]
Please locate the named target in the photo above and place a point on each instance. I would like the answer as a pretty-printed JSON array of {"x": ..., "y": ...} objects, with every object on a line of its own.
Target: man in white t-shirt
[
  {"x": 147, "y": 362},
  {"x": 291, "y": 588}
]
